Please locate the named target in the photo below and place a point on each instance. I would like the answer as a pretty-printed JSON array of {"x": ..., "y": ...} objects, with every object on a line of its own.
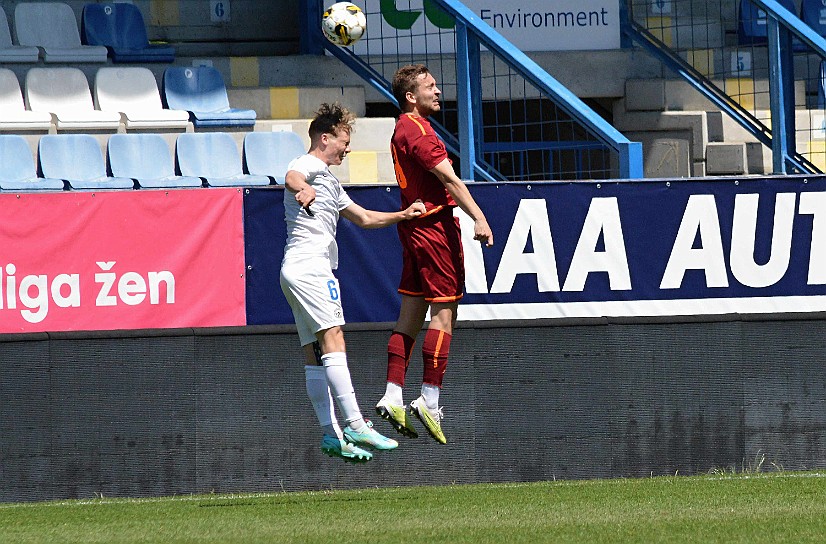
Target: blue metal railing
[
  {"x": 504, "y": 116},
  {"x": 788, "y": 55}
]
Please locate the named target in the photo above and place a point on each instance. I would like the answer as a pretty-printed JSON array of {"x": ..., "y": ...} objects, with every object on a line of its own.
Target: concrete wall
[{"x": 176, "y": 412}]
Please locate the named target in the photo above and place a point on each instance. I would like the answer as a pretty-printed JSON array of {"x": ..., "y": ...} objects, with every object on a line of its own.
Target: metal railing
[
  {"x": 755, "y": 60},
  {"x": 503, "y": 116}
]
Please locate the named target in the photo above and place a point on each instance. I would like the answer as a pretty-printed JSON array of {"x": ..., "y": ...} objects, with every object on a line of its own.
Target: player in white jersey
[{"x": 312, "y": 204}]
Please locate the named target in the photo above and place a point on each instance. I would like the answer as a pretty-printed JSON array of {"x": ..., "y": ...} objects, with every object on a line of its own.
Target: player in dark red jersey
[{"x": 433, "y": 273}]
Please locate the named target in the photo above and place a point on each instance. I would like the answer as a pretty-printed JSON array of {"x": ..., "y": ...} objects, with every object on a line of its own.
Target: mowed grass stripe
[{"x": 770, "y": 507}]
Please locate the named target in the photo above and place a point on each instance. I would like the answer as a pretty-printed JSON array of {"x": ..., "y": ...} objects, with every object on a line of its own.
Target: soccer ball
[{"x": 343, "y": 23}]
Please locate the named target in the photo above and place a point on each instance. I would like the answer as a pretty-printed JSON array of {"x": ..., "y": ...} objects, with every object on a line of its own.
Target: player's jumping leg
[
  {"x": 334, "y": 360},
  {"x": 435, "y": 350},
  {"x": 391, "y": 406},
  {"x": 357, "y": 430},
  {"x": 332, "y": 442}
]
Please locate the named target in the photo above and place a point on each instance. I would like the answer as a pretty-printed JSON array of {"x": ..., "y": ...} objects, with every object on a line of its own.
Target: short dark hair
[
  {"x": 329, "y": 119},
  {"x": 404, "y": 81}
]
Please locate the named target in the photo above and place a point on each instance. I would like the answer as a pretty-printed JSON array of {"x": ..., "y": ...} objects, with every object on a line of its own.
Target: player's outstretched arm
[
  {"x": 460, "y": 193},
  {"x": 296, "y": 183},
  {"x": 371, "y": 219}
]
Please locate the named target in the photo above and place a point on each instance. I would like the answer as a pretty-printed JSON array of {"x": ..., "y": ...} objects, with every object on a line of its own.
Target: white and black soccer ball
[{"x": 343, "y": 23}]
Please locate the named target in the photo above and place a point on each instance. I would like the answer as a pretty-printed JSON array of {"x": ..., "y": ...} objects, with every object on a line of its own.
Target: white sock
[
  {"x": 430, "y": 393},
  {"x": 319, "y": 393},
  {"x": 338, "y": 378},
  {"x": 393, "y": 393}
]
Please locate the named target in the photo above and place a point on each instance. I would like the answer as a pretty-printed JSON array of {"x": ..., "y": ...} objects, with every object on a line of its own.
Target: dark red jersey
[{"x": 416, "y": 149}]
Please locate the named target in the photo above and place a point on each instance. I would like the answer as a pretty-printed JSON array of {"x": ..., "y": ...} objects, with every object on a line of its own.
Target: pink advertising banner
[{"x": 121, "y": 260}]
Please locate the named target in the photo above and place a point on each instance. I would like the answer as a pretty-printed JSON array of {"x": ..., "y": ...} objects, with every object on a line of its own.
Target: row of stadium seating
[
  {"x": 49, "y": 30},
  {"x": 210, "y": 159},
  {"x": 752, "y": 23},
  {"x": 122, "y": 95}
]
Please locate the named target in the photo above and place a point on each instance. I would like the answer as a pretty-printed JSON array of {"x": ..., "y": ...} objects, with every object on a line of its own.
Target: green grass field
[{"x": 764, "y": 507}]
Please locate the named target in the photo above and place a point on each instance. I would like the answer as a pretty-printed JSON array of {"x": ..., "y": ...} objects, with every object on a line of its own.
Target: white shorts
[{"x": 313, "y": 294}]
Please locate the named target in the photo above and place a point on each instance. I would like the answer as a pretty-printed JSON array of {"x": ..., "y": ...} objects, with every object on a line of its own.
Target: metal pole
[
  {"x": 464, "y": 105},
  {"x": 776, "y": 98}
]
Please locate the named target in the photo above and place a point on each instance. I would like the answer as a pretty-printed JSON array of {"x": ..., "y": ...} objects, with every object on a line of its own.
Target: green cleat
[
  {"x": 337, "y": 447},
  {"x": 397, "y": 416},
  {"x": 370, "y": 438},
  {"x": 431, "y": 420}
]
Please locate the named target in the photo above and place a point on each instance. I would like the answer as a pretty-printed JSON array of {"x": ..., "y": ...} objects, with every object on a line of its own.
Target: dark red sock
[
  {"x": 399, "y": 348},
  {"x": 435, "y": 349}
]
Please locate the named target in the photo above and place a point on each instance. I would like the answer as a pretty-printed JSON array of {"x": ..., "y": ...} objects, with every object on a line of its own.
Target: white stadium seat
[
  {"x": 64, "y": 92},
  {"x": 13, "y": 113},
  {"x": 52, "y": 26},
  {"x": 133, "y": 93},
  {"x": 9, "y": 52}
]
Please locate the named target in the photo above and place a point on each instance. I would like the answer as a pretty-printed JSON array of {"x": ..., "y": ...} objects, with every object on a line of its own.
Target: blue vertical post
[
  {"x": 625, "y": 24},
  {"x": 309, "y": 20},
  {"x": 787, "y": 73},
  {"x": 630, "y": 160},
  {"x": 777, "y": 97},
  {"x": 475, "y": 69},
  {"x": 466, "y": 63}
]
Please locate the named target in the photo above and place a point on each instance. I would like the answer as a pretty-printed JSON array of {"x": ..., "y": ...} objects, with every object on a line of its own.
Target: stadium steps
[{"x": 685, "y": 135}]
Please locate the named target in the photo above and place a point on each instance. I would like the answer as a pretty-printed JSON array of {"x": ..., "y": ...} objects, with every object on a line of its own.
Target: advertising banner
[
  {"x": 121, "y": 260},
  {"x": 600, "y": 249},
  {"x": 530, "y": 25},
  {"x": 652, "y": 248}
]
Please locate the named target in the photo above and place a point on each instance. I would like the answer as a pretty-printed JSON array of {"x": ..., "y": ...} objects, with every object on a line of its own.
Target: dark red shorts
[{"x": 432, "y": 258}]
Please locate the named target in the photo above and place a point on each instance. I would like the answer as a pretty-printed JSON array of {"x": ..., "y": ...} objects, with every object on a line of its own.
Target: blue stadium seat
[
  {"x": 214, "y": 157},
  {"x": 813, "y": 13},
  {"x": 146, "y": 159},
  {"x": 752, "y": 22},
  {"x": 121, "y": 29},
  {"x": 18, "y": 172},
  {"x": 201, "y": 91},
  {"x": 78, "y": 160},
  {"x": 269, "y": 153}
]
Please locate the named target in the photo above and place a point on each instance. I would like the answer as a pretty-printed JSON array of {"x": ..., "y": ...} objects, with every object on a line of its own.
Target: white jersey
[{"x": 314, "y": 235}]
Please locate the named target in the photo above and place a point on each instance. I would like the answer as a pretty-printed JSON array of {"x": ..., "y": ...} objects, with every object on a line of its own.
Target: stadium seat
[
  {"x": 269, "y": 153},
  {"x": 132, "y": 92},
  {"x": 752, "y": 23},
  {"x": 65, "y": 93},
  {"x": 214, "y": 157},
  {"x": 146, "y": 159},
  {"x": 78, "y": 160},
  {"x": 13, "y": 113},
  {"x": 813, "y": 13},
  {"x": 52, "y": 27},
  {"x": 18, "y": 172},
  {"x": 121, "y": 29},
  {"x": 9, "y": 52},
  {"x": 200, "y": 90}
]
